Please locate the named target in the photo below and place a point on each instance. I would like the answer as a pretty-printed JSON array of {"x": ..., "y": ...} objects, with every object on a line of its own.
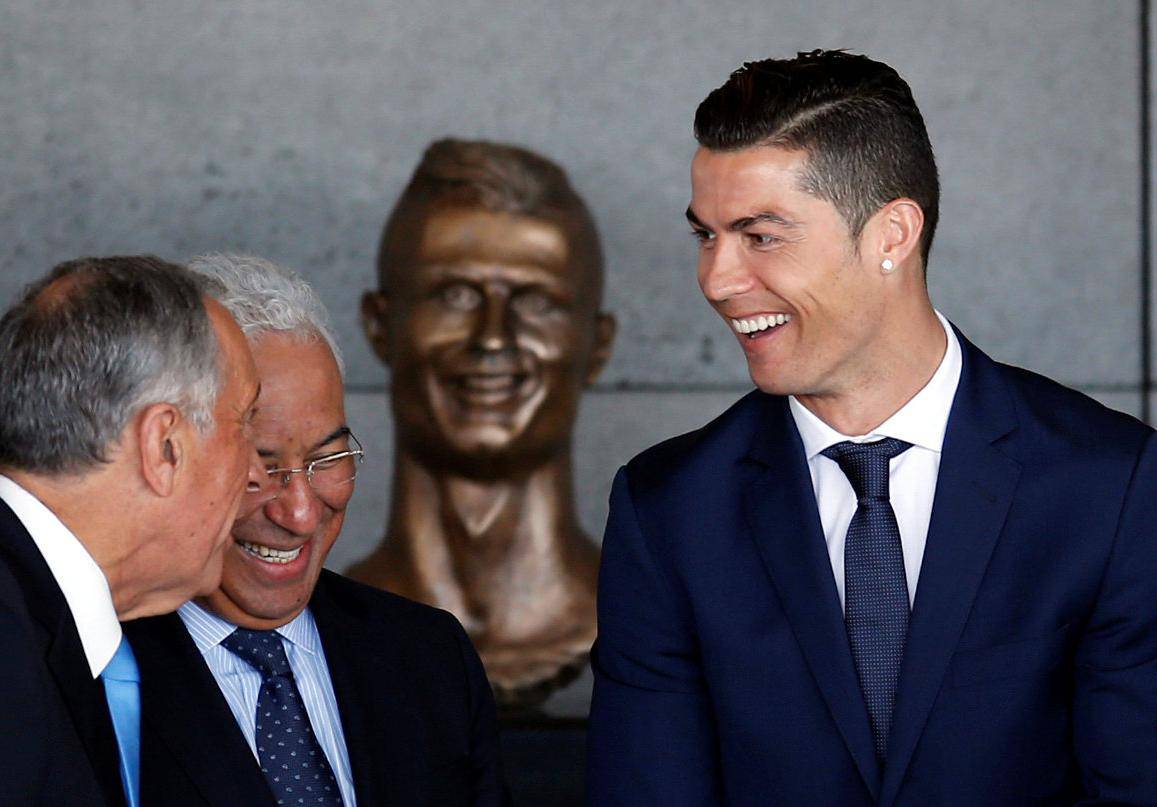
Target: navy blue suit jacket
[
  {"x": 722, "y": 667},
  {"x": 416, "y": 709},
  {"x": 57, "y": 742}
]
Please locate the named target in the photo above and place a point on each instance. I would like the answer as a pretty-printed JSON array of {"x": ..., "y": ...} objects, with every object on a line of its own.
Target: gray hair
[
  {"x": 90, "y": 345},
  {"x": 264, "y": 297}
]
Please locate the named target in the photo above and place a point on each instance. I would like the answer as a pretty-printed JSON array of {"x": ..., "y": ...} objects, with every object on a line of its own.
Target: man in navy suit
[
  {"x": 388, "y": 700},
  {"x": 898, "y": 573}
]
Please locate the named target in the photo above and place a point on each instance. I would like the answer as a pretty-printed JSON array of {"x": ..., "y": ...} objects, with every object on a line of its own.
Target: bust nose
[{"x": 494, "y": 332}]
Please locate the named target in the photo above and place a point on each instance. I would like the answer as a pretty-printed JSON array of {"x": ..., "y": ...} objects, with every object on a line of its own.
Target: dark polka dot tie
[
  {"x": 875, "y": 587},
  {"x": 291, "y": 758}
]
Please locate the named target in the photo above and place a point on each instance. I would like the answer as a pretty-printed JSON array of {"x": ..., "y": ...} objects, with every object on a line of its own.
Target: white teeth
[
  {"x": 269, "y": 554},
  {"x": 760, "y": 323}
]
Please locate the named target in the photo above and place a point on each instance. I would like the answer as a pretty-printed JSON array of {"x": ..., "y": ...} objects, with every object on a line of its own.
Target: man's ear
[
  {"x": 605, "y": 328},
  {"x": 895, "y": 234},
  {"x": 161, "y": 443},
  {"x": 374, "y": 308}
]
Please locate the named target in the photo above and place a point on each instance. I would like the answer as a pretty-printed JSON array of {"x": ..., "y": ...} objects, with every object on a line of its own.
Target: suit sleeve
[
  {"x": 1115, "y": 698},
  {"x": 485, "y": 759},
  {"x": 651, "y": 736}
]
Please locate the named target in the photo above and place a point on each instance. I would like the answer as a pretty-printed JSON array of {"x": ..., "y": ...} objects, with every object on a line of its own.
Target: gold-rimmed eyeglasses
[{"x": 326, "y": 475}]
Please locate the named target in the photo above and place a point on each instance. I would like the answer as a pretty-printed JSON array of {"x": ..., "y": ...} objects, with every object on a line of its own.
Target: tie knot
[
  {"x": 866, "y": 464},
  {"x": 261, "y": 649}
]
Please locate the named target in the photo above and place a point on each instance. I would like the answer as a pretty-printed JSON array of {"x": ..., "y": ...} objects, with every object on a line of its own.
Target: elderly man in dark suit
[
  {"x": 125, "y": 396},
  {"x": 290, "y": 684},
  {"x": 898, "y": 573}
]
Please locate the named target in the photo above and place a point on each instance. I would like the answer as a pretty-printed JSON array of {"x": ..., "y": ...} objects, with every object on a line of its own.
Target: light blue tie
[{"x": 122, "y": 689}]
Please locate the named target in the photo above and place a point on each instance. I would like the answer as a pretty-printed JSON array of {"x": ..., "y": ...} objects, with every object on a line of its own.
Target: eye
[
  {"x": 461, "y": 297},
  {"x": 532, "y": 303},
  {"x": 325, "y": 463},
  {"x": 704, "y": 237},
  {"x": 762, "y": 239}
]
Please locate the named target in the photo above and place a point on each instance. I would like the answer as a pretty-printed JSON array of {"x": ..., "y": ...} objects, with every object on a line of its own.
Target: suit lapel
[
  {"x": 785, "y": 524},
  {"x": 974, "y": 491},
  {"x": 183, "y": 709},
  {"x": 85, "y": 699},
  {"x": 382, "y": 735},
  {"x": 82, "y": 695}
]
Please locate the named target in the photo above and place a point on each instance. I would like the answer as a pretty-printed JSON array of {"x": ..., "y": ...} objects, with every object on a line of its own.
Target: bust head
[{"x": 487, "y": 311}]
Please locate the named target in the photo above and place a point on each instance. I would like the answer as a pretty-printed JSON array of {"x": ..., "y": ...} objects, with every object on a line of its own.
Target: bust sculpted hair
[
  {"x": 79, "y": 360},
  {"x": 855, "y": 117},
  {"x": 264, "y": 297},
  {"x": 495, "y": 177}
]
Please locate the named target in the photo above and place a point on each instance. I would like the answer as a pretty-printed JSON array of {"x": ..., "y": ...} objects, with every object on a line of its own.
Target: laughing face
[
  {"x": 782, "y": 269},
  {"x": 490, "y": 330},
  {"x": 280, "y": 544}
]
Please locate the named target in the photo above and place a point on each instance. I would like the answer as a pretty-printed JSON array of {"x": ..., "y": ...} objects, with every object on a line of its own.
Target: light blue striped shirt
[{"x": 240, "y": 683}]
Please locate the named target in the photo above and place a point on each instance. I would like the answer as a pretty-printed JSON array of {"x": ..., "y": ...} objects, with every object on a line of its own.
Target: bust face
[{"x": 491, "y": 329}]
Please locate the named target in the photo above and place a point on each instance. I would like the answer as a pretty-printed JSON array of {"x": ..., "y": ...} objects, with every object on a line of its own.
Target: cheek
[{"x": 553, "y": 342}]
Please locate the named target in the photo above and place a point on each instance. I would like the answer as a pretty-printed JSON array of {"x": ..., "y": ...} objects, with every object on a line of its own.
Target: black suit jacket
[
  {"x": 416, "y": 709},
  {"x": 57, "y": 741}
]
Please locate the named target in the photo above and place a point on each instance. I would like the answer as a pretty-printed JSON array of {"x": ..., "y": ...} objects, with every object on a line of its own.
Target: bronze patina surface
[{"x": 487, "y": 314}]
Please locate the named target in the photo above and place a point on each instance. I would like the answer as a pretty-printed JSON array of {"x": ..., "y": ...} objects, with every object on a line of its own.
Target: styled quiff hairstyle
[
  {"x": 856, "y": 119},
  {"x": 90, "y": 345},
  {"x": 496, "y": 177}
]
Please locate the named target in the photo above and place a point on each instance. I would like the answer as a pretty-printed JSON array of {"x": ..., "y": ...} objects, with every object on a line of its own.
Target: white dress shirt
[
  {"x": 82, "y": 582},
  {"x": 912, "y": 475},
  {"x": 240, "y": 683}
]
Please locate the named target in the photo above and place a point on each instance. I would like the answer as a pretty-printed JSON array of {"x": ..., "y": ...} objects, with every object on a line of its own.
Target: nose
[
  {"x": 494, "y": 332},
  {"x": 722, "y": 272},
  {"x": 298, "y": 509}
]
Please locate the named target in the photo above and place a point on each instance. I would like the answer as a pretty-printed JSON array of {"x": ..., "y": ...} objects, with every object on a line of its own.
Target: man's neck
[{"x": 904, "y": 361}]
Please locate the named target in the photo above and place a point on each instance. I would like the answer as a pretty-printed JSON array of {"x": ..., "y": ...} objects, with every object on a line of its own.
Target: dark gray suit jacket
[{"x": 416, "y": 709}]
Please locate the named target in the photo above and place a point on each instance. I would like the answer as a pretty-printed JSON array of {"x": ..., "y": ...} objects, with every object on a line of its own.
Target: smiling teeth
[
  {"x": 760, "y": 323},
  {"x": 270, "y": 555}
]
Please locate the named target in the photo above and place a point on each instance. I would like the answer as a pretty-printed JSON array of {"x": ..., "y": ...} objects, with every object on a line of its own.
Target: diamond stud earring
[{"x": 887, "y": 265}]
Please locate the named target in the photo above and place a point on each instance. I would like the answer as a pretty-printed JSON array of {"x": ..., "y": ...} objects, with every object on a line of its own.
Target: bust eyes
[
  {"x": 525, "y": 302},
  {"x": 461, "y": 297}
]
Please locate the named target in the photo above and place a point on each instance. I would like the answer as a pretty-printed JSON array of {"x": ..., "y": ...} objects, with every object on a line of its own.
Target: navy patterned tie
[
  {"x": 291, "y": 758},
  {"x": 875, "y": 587}
]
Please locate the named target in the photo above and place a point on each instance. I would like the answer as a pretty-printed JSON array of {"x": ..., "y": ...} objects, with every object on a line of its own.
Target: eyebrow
[
  {"x": 339, "y": 432},
  {"x": 336, "y": 434},
  {"x": 742, "y": 223}
]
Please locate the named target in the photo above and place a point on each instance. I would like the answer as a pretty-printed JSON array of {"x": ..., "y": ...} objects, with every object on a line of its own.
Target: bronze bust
[{"x": 487, "y": 314}]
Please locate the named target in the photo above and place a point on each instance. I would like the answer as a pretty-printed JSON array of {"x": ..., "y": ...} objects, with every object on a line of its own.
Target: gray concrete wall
[{"x": 286, "y": 129}]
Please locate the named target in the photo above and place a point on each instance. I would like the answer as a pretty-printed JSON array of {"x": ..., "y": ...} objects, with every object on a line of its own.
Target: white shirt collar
[
  {"x": 209, "y": 630},
  {"x": 81, "y": 580},
  {"x": 922, "y": 421}
]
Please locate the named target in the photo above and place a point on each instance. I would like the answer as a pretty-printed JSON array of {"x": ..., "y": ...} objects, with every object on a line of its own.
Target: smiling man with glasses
[{"x": 343, "y": 694}]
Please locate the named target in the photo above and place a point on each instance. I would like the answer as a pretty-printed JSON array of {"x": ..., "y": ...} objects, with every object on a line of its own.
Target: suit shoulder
[
  {"x": 1059, "y": 413},
  {"x": 727, "y": 436},
  {"x": 385, "y": 608}
]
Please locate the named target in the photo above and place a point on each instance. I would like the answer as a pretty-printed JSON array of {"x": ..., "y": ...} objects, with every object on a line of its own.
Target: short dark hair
[
  {"x": 498, "y": 177},
  {"x": 856, "y": 119},
  {"x": 89, "y": 345}
]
